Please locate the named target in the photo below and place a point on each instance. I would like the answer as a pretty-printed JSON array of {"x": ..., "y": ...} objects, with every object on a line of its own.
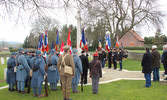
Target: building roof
[
  {"x": 5, "y": 48},
  {"x": 136, "y": 36}
]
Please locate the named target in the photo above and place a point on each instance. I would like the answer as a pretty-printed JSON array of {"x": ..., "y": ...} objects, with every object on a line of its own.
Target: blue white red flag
[
  {"x": 57, "y": 40},
  {"x": 108, "y": 42},
  {"x": 46, "y": 41}
]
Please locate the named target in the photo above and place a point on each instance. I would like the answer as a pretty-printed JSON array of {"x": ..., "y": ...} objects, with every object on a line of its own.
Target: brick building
[{"x": 132, "y": 39}]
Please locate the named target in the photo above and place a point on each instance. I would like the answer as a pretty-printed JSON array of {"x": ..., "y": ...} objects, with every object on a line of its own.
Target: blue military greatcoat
[
  {"x": 38, "y": 75},
  {"x": 78, "y": 69},
  {"x": 11, "y": 77},
  {"x": 23, "y": 68},
  {"x": 28, "y": 60},
  {"x": 53, "y": 74}
]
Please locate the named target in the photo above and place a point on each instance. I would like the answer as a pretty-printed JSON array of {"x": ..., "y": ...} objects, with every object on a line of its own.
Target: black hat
[{"x": 82, "y": 51}]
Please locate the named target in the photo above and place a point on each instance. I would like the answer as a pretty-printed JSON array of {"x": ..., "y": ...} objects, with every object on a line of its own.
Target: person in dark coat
[
  {"x": 95, "y": 73},
  {"x": 85, "y": 67},
  {"x": 147, "y": 67},
  {"x": 115, "y": 57},
  {"x": 155, "y": 63},
  {"x": 164, "y": 60},
  {"x": 38, "y": 64},
  {"x": 103, "y": 57},
  {"x": 110, "y": 59},
  {"x": 120, "y": 57},
  {"x": 11, "y": 77}
]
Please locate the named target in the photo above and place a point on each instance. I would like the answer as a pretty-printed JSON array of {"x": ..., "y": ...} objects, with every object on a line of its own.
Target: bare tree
[
  {"x": 121, "y": 16},
  {"x": 32, "y": 9}
]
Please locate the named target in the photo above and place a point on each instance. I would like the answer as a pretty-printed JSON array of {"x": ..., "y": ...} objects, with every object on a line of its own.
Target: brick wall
[{"x": 129, "y": 40}]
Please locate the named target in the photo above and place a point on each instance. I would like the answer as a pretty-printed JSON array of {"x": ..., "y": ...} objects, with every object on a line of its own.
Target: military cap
[
  {"x": 14, "y": 53},
  {"x": 37, "y": 52},
  {"x": 67, "y": 47},
  {"x": 21, "y": 49},
  {"x": 95, "y": 55},
  {"x": 26, "y": 51},
  {"x": 52, "y": 51},
  {"x": 74, "y": 50}
]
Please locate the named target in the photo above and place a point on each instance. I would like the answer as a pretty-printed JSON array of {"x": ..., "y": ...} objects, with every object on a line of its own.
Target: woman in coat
[{"x": 95, "y": 73}]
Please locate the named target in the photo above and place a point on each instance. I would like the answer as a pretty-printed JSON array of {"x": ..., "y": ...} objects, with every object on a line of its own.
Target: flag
[
  {"x": 86, "y": 46},
  {"x": 57, "y": 40},
  {"x": 52, "y": 44},
  {"x": 122, "y": 45},
  {"x": 46, "y": 41},
  {"x": 80, "y": 44},
  {"x": 69, "y": 40},
  {"x": 100, "y": 44},
  {"x": 108, "y": 42},
  {"x": 41, "y": 44},
  {"x": 83, "y": 41},
  {"x": 45, "y": 55},
  {"x": 117, "y": 42},
  {"x": 61, "y": 48}
]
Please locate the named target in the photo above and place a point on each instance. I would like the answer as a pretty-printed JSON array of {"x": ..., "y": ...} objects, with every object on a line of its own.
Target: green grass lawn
[
  {"x": 119, "y": 90},
  {"x": 134, "y": 65},
  {"x": 5, "y": 52},
  {"x": 143, "y": 51},
  {"x": 2, "y": 73}
]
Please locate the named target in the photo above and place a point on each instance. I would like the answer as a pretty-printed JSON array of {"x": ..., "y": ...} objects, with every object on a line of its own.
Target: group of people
[
  {"x": 23, "y": 66},
  {"x": 151, "y": 63},
  {"x": 113, "y": 56},
  {"x": 53, "y": 68}
]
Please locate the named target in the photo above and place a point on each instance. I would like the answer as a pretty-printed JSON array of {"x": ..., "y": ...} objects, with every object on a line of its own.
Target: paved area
[{"x": 110, "y": 75}]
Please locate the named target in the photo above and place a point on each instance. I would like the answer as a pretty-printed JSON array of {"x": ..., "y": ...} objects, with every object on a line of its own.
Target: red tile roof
[{"x": 136, "y": 35}]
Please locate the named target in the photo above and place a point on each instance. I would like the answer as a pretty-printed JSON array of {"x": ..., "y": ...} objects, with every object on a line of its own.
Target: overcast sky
[{"x": 9, "y": 31}]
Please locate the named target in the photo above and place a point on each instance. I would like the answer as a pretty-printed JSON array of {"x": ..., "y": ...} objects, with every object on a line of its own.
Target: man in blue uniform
[
  {"x": 11, "y": 77},
  {"x": 78, "y": 71},
  {"x": 27, "y": 56},
  {"x": 38, "y": 73},
  {"x": 53, "y": 74},
  {"x": 22, "y": 70}
]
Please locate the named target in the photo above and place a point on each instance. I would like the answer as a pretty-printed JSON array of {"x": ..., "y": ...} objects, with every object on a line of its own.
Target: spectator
[{"x": 147, "y": 64}]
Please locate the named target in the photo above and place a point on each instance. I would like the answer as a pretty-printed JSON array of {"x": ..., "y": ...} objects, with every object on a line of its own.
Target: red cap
[{"x": 95, "y": 54}]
